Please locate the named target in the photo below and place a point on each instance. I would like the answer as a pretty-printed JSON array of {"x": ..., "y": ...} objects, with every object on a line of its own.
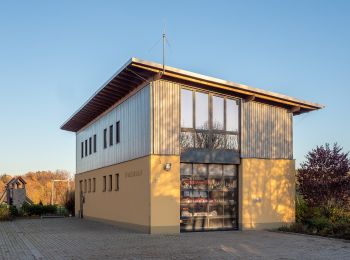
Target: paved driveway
[{"x": 82, "y": 239}]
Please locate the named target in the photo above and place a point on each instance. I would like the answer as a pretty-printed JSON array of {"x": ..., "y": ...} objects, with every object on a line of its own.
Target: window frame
[
  {"x": 116, "y": 180},
  {"x": 212, "y": 131},
  {"x": 105, "y": 138},
  {"x": 86, "y": 147},
  {"x": 95, "y": 143},
  {"x": 90, "y": 145},
  {"x": 89, "y": 185},
  {"x": 111, "y": 135},
  {"x": 117, "y": 132},
  {"x": 110, "y": 182},
  {"x": 82, "y": 150},
  {"x": 104, "y": 183},
  {"x": 193, "y": 108},
  {"x": 93, "y": 184}
]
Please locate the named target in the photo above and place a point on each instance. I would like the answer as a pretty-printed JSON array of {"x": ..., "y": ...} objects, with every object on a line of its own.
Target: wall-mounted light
[
  {"x": 167, "y": 166},
  {"x": 257, "y": 200}
]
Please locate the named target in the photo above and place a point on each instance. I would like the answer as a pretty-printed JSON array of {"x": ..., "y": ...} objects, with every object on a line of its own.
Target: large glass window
[
  {"x": 232, "y": 115},
  {"x": 186, "y": 108},
  {"x": 218, "y": 113},
  {"x": 208, "y": 121},
  {"x": 202, "y": 110},
  {"x": 208, "y": 199}
]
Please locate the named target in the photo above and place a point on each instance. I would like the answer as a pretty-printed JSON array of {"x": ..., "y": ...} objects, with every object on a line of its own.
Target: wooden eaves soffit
[{"x": 136, "y": 72}]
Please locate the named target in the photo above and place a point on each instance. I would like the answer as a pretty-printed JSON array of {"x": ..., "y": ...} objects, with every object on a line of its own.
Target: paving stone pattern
[{"x": 73, "y": 238}]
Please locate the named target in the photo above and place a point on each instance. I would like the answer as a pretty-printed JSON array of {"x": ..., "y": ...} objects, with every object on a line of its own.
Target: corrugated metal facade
[
  {"x": 166, "y": 117},
  {"x": 152, "y": 117},
  {"x": 267, "y": 131},
  {"x": 135, "y": 133}
]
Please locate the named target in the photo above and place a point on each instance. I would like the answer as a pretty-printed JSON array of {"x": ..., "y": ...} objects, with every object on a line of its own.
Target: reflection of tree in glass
[
  {"x": 205, "y": 139},
  {"x": 186, "y": 140},
  {"x": 232, "y": 142}
]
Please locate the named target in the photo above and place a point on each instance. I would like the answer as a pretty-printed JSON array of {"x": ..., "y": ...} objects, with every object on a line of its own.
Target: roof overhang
[{"x": 137, "y": 72}]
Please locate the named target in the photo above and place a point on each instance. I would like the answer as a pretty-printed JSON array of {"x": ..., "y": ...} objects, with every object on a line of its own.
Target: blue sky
[{"x": 54, "y": 55}]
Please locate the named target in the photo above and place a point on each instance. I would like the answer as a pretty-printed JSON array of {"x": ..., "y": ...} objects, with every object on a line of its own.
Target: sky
[{"x": 55, "y": 54}]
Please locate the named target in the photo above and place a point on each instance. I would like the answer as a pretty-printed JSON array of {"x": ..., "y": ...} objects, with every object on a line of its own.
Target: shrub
[
  {"x": 5, "y": 213},
  {"x": 37, "y": 209},
  {"x": 319, "y": 224},
  {"x": 13, "y": 211},
  {"x": 296, "y": 227},
  {"x": 323, "y": 179},
  {"x": 301, "y": 209},
  {"x": 49, "y": 209}
]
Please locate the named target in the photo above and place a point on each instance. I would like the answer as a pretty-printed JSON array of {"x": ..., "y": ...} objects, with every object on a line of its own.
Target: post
[
  {"x": 52, "y": 183},
  {"x": 163, "y": 52}
]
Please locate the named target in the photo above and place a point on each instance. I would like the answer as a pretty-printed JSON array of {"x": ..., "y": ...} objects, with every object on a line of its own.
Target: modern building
[{"x": 164, "y": 150}]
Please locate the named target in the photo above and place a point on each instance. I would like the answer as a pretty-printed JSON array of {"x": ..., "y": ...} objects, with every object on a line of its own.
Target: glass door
[{"x": 208, "y": 197}]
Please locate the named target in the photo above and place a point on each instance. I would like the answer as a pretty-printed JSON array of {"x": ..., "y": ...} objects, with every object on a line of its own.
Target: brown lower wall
[
  {"x": 148, "y": 199},
  {"x": 130, "y": 205},
  {"x": 266, "y": 193}
]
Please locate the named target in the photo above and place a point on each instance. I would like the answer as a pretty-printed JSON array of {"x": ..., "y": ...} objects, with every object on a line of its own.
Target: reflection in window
[
  {"x": 215, "y": 170},
  {"x": 202, "y": 139},
  {"x": 200, "y": 169},
  {"x": 186, "y": 108},
  {"x": 232, "y": 142},
  {"x": 218, "y": 113},
  {"x": 202, "y": 110},
  {"x": 230, "y": 170},
  {"x": 186, "y": 169},
  {"x": 232, "y": 115},
  {"x": 218, "y": 141},
  {"x": 186, "y": 140}
]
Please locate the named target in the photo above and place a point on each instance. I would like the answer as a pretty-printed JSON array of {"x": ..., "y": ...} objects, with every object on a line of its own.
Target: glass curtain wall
[
  {"x": 209, "y": 197},
  {"x": 208, "y": 121}
]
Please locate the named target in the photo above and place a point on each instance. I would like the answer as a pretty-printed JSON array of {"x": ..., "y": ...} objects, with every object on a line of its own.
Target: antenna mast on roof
[{"x": 164, "y": 38}]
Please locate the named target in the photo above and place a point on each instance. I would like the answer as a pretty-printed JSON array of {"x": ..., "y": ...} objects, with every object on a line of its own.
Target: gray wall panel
[
  {"x": 134, "y": 117},
  {"x": 166, "y": 117},
  {"x": 266, "y": 131}
]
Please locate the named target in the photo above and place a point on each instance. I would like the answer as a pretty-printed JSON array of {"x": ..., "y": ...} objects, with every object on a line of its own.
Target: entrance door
[
  {"x": 81, "y": 200},
  {"x": 209, "y": 197}
]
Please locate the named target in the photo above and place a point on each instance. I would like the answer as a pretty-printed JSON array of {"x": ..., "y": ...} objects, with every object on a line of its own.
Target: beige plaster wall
[
  {"x": 165, "y": 194},
  {"x": 266, "y": 193},
  {"x": 130, "y": 205}
]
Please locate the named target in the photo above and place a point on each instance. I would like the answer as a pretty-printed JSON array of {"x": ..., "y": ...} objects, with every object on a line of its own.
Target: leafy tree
[
  {"x": 324, "y": 178},
  {"x": 39, "y": 186}
]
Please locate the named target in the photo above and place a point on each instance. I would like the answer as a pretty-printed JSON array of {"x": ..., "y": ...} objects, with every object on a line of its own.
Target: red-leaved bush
[{"x": 324, "y": 178}]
